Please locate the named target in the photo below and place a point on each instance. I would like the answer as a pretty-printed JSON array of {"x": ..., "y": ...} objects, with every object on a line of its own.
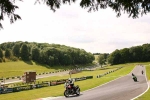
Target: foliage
[
  {"x": 101, "y": 60},
  {"x": 24, "y": 52},
  {"x": 35, "y": 54},
  {"x": 14, "y": 58},
  {"x": 8, "y": 53},
  {"x": 132, "y": 7},
  {"x": 1, "y": 60},
  {"x": 16, "y": 50},
  {"x": 133, "y": 54},
  {"x": 1, "y": 53},
  {"x": 50, "y": 54},
  {"x": 115, "y": 57}
]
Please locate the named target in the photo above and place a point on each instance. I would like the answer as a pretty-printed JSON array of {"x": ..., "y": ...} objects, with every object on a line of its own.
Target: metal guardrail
[{"x": 23, "y": 86}]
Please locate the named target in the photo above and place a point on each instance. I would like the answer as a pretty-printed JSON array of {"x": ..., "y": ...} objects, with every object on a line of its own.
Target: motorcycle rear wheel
[{"x": 78, "y": 91}]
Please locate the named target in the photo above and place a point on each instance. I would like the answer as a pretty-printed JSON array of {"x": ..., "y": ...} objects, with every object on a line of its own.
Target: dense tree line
[
  {"x": 132, "y": 54},
  {"x": 44, "y": 53}
]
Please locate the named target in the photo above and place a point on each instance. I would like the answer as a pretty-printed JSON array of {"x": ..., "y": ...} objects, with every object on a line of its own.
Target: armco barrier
[
  {"x": 98, "y": 76},
  {"x": 89, "y": 77},
  {"x": 30, "y": 86},
  {"x": 80, "y": 79},
  {"x": 53, "y": 83}
]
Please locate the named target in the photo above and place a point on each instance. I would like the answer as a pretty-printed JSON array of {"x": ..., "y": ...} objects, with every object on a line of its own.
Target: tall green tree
[
  {"x": 24, "y": 53},
  {"x": 35, "y": 54},
  {"x": 136, "y": 53},
  {"x": 146, "y": 52},
  {"x": 101, "y": 59},
  {"x": 125, "y": 55},
  {"x": 8, "y": 53},
  {"x": 1, "y": 53},
  {"x": 115, "y": 57},
  {"x": 16, "y": 50}
]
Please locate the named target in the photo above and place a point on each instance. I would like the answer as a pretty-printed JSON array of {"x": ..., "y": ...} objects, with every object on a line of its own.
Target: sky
[{"x": 95, "y": 32}]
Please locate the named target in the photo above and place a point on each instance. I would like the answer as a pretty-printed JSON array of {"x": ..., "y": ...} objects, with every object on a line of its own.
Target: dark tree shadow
[{"x": 29, "y": 62}]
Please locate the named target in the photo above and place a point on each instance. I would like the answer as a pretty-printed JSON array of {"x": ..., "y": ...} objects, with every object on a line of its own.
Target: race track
[{"x": 123, "y": 88}]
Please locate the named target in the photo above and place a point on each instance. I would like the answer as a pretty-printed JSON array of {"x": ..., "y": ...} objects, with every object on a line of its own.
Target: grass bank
[{"x": 10, "y": 69}]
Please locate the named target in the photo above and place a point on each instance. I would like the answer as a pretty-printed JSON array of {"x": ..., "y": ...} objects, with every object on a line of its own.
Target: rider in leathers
[{"x": 71, "y": 83}]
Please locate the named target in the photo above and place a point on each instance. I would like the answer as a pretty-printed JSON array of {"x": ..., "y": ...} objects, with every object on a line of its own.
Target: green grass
[
  {"x": 148, "y": 71},
  {"x": 146, "y": 96},
  {"x": 58, "y": 90},
  {"x": 10, "y": 69}
]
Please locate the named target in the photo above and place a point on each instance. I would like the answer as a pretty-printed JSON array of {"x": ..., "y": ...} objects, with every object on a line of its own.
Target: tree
[
  {"x": 115, "y": 57},
  {"x": 35, "y": 54},
  {"x": 16, "y": 50},
  {"x": 8, "y": 53},
  {"x": 146, "y": 52},
  {"x": 24, "y": 52},
  {"x": 131, "y": 7},
  {"x": 125, "y": 55},
  {"x": 1, "y": 53},
  {"x": 136, "y": 53},
  {"x": 101, "y": 59}
]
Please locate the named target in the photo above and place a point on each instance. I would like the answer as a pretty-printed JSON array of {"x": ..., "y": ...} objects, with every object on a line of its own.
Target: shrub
[
  {"x": 1, "y": 60},
  {"x": 13, "y": 58},
  {"x": 4, "y": 60}
]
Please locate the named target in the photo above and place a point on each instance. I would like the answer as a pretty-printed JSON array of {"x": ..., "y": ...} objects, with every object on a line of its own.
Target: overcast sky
[{"x": 100, "y": 31}]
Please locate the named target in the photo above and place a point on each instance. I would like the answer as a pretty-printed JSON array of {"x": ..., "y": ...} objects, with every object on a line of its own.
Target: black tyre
[
  {"x": 78, "y": 91},
  {"x": 66, "y": 94}
]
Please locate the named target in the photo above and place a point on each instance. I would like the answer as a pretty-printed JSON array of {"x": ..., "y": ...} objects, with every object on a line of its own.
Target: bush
[
  {"x": 1, "y": 60},
  {"x": 13, "y": 58},
  {"x": 4, "y": 60}
]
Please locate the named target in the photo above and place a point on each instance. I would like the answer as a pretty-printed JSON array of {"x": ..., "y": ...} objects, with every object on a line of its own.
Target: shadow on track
[{"x": 73, "y": 96}]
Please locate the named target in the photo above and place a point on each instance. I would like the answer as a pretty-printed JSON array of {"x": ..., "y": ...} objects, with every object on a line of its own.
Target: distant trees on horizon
[
  {"x": 133, "y": 54},
  {"x": 56, "y": 54},
  {"x": 44, "y": 53}
]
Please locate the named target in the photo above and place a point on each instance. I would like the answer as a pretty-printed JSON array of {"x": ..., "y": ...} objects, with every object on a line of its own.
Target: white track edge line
[
  {"x": 145, "y": 90},
  {"x": 108, "y": 82}
]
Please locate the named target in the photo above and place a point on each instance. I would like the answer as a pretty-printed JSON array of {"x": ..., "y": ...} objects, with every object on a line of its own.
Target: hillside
[{"x": 10, "y": 69}]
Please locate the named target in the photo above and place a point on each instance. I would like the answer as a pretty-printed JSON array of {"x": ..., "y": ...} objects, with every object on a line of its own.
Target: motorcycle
[
  {"x": 142, "y": 72},
  {"x": 71, "y": 90},
  {"x": 134, "y": 78}
]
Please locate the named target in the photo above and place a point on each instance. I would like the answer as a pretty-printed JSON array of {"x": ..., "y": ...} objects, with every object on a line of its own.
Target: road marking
[
  {"x": 49, "y": 98},
  {"x": 145, "y": 90}
]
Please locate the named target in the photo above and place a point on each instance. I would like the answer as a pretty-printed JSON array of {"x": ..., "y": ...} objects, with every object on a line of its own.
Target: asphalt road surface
[{"x": 123, "y": 88}]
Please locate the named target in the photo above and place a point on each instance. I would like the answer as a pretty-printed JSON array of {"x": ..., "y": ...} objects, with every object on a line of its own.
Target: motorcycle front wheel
[{"x": 66, "y": 94}]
